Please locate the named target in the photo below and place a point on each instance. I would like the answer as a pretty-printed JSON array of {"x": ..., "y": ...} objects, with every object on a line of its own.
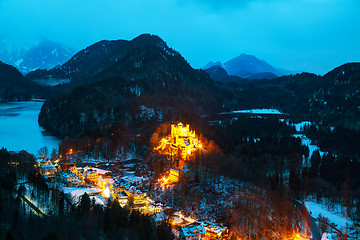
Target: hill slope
[
  {"x": 129, "y": 82},
  {"x": 13, "y": 86}
]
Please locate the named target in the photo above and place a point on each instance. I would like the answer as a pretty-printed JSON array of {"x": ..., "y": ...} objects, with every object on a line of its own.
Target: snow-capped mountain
[{"x": 28, "y": 54}]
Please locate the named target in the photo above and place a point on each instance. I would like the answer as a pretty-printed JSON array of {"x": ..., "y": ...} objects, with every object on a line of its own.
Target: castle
[{"x": 184, "y": 139}]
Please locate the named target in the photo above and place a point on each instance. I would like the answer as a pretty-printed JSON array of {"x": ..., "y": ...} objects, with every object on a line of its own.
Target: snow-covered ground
[
  {"x": 316, "y": 209},
  {"x": 300, "y": 126},
  {"x": 307, "y": 142},
  {"x": 44, "y": 208},
  {"x": 121, "y": 157},
  {"x": 98, "y": 200},
  {"x": 76, "y": 193},
  {"x": 260, "y": 111},
  {"x": 129, "y": 176}
]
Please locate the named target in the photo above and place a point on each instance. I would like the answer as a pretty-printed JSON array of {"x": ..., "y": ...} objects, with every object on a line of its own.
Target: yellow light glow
[
  {"x": 107, "y": 192},
  {"x": 181, "y": 139}
]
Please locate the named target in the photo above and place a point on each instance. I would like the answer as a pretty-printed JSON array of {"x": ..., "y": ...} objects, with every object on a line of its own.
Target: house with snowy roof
[
  {"x": 47, "y": 169},
  {"x": 68, "y": 177},
  {"x": 193, "y": 232}
]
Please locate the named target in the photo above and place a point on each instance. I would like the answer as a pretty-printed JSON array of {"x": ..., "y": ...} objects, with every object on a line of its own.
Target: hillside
[
  {"x": 143, "y": 81},
  {"x": 129, "y": 82},
  {"x": 339, "y": 96},
  {"x": 332, "y": 99},
  {"x": 81, "y": 67},
  {"x": 13, "y": 86}
]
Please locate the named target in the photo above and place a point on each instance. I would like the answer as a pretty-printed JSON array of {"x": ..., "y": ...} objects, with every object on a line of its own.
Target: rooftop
[{"x": 193, "y": 230}]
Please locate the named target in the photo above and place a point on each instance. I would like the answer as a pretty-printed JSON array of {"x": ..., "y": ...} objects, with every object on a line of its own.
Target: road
[
  {"x": 36, "y": 209},
  {"x": 310, "y": 221}
]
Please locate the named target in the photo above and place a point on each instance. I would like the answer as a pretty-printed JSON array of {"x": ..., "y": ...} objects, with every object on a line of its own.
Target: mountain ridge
[
  {"x": 248, "y": 66},
  {"x": 30, "y": 54},
  {"x": 138, "y": 76}
]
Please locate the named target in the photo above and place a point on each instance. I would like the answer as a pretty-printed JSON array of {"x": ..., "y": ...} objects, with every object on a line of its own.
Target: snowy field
[
  {"x": 260, "y": 111},
  {"x": 316, "y": 209},
  {"x": 300, "y": 126},
  {"x": 307, "y": 142},
  {"x": 76, "y": 193}
]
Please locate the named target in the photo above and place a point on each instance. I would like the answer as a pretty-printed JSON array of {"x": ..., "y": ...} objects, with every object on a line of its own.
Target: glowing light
[
  {"x": 107, "y": 192},
  {"x": 297, "y": 236},
  {"x": 164, "y": 181},
  {"x": 182, "y": 139},
  {"x": 70, "y": 151}
]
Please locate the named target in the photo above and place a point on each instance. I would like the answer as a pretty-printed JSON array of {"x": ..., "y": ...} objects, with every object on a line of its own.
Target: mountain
[
  {"x": 33, "y": 53},
  {"x": 13, "y": 85},
  {"x": 248, "y": 66},
  {"x": 212, "y": 64},
  {"x": 127, "y": 82},
  {"x": 332, "y": 99},
  {"x": 245, "y": 66},
  {"x": 217, "y": 73},
  {"x": 142, "y": 82},
  {"x": 339, "y": 96},
  {"x": 82, "y": 67}
]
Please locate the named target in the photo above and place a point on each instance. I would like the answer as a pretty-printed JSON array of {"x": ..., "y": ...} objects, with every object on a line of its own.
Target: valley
[{"x": 152, "y": 148}]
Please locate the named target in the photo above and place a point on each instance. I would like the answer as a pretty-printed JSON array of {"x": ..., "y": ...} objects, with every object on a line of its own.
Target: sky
[{"x": 299, "y": 35}]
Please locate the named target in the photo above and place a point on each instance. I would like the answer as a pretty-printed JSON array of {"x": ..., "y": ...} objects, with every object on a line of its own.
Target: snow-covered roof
[
  {"x": 213, "y": 227},
  {"x": 98, "y": 200},
  {"x": 40, "y": 160},
  {"x": 66, "y": 174},
  {"x": 76, "y": 193},
  {"x": 96, "y": 170},
  {"x": 158, "y": 217},
  {"x": 48, "y": 167},
  {"x": 193, "y": 230},
  {"x": 316, "y": 210}
]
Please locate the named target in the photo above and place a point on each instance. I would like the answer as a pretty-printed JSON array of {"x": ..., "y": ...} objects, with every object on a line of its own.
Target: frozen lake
[{"x": 19, "y": 128}]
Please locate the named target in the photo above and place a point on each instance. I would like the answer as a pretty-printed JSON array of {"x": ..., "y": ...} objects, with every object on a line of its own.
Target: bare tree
[{"x": 43, "y": 152}]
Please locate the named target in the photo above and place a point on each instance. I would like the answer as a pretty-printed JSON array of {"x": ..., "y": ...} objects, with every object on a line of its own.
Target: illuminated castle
[
  {"x": 181, "y": 138},
  {"x": 184, "y": 139}
]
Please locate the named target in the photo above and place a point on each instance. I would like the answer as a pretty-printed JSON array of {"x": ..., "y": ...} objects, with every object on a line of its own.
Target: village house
[
  {"x": 68, "y": 177},
  {"x": 122, "y": 198},
  {"x": 174, "y": 175},
  {"x": 193, "y": 232},
  {"x": 47, "y": 169},
  {"x": 215, "y": 231},
  {"x": 139, "y": 200}
]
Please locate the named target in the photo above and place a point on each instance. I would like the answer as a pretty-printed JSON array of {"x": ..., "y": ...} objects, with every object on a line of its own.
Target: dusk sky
[{"x": 299, "y": 35}]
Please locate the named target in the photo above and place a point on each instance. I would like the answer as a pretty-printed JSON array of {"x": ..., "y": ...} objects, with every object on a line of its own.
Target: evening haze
[{"x": 299, "y": 35}]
